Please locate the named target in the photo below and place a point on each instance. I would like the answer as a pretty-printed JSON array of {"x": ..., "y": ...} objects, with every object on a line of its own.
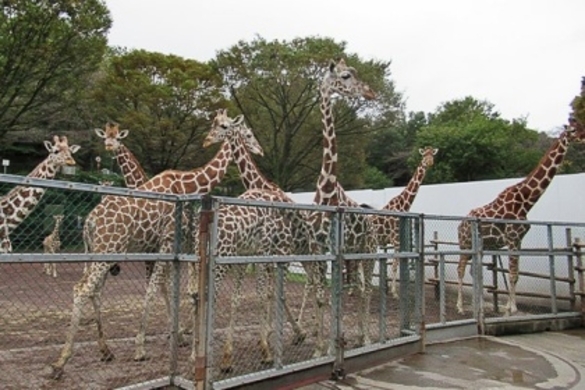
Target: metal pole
[
  {"x": 551, "y": 260},
  {"x": 204, "y": 303},
  {"x": 495, "y": 283},
  {"x": 442, "y": 299},
  {"x": 571, "y": 269},
  {"x": 419, "y": 285},
  {"x": 175, "y": 290},
  {"x": 477, "y": 274},
  {"x": 383, "y": 284},
  {"x": 404, "y": 228},
  {"x": 337, "y": 337}
]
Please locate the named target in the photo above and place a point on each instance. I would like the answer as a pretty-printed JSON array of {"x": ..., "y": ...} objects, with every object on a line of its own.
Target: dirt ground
[{"x": 35, "y": 314}]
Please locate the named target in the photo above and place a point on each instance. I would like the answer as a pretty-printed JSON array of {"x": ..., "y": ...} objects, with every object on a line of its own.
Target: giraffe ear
[
  {"x": 435, "y": 151},
  {"x": 74, "y": 148},
  {"x": 123, "y": 134},
  {"x": 100, "y": 133},
  {"x": 48, "y": 145},
  {"x": 238, "y": 120},
  {"x": 421, "y": 151},
  {"x": 332, "y": 66}
]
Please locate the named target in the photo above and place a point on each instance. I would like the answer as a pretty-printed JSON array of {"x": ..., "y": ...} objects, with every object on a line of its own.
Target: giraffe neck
[
  {"x": 250, "y": 175},
  {"x": 198, "y": 181},
  {"x": 134, "y": 174},
  {"x": 326, "y": 192},
  {"x": 55, "y": 232},
  {"x": 19, "y": 202},
  {"x": 404, "y": 200},
  {"x": 537, "y": 181}
]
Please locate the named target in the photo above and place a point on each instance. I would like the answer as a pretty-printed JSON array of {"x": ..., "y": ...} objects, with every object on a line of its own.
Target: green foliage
[
  {"x": 165, "y": 101},
  {"x": 476, "y": 144},
  {"x": 46, "y": 47},
  {"x": 275, "y": 85},
  {"x": 376, "y": 179}
]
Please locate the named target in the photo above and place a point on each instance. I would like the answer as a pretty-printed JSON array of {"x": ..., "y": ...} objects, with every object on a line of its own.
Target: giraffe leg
[
  {"x": 54, "y": 269},
  {"x": 365, "y": 286},
  {"x": 393, "y": 289},
  {"x": 510, "y": 307},
  {"x": 107, "y": 355},
  {"x": 88, "y": 286},
  {"x": 306, "y": 292},
  {"x": 228, "y": 349},
  {"x": 320, "y": 307},
  {"x": 463, "y": 259},
  {"x": 266, "y": 294},
  {"x": 156, "y": 281}
]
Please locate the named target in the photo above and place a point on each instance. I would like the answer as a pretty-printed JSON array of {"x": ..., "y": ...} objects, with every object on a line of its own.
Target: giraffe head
[
  {"x": 106, "y": 183},
  {"x": 58, "y": 218},
  {"x": 225, "y": 128},
  {"x": 428, "y": 155},
  {"x": 344, "y": 80},
  {"x": 60, "y": 152},
  {"x": 575, "y": 131},
  {"x": 112, "y": 135}
]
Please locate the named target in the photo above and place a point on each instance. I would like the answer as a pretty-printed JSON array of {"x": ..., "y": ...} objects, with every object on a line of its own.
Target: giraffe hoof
[
  {"x": 226, "y": 369},
  {"x": 107, "y": 356},
  {"x": 56, "y": 372},
  {"x": 115, "y": 269},
  {"x": 299, "y": 339}
]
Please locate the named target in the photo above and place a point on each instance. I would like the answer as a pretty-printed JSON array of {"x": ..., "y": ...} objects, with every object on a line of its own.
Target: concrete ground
[{"x": 551, "y": 360}]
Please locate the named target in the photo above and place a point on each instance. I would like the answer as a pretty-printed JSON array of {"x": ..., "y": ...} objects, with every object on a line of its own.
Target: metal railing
[{"x": 223, "y": 303}]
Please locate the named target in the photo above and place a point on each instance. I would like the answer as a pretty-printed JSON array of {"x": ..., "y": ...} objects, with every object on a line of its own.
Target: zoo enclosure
[{"x": 37, "y": 328}]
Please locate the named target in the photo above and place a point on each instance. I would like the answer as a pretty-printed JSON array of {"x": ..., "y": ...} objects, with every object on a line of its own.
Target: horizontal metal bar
[
  {"x": 85, "y": 187},
  {"x": 227, "y": 260},
  {"x": 85, "y": 257},
  {"x": 535, "y": 317},
  {"x": 527, "y": 252}
]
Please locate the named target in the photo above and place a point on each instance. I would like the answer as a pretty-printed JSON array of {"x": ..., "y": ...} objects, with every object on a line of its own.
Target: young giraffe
[
  {"x": 358, "y": 234},
  {"x": 251, "y": 231},
  {"x": 136, "y": 224},
  {"x": 52, "y": 244},
  {"x": 386, "y": 227},
  {"x": 19, "y": 202},
  {"x": 303, "y": 242},
  {"x": 132, "y": 171},
  {"x": 514, "y": 203}
]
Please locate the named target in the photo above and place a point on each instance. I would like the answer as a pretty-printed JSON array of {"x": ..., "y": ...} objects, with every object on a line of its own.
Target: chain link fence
[{"x": 246, "y": 292}]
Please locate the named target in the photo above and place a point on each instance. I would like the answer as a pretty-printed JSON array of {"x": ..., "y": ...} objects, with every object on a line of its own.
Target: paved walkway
[{"x": 551, "y": 361}]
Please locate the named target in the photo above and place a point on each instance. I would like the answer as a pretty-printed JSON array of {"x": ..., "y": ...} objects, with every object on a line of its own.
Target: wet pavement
[{"x": 551, "y": 360}]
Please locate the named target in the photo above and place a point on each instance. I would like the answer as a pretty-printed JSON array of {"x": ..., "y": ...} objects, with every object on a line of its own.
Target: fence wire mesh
[{"x": 273, "y": 305}]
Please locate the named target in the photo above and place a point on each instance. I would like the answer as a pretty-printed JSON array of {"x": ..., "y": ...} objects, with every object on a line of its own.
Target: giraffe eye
[
  {"x": 345, "y": 76},
  {"x": 224, "y": 126}
]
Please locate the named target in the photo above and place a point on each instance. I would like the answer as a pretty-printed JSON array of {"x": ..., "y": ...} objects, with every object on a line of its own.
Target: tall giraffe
[
  {"x": 52, "y": 244},
  {"x": 303, "y": 241},
  {"x": 358, "y": 234},
  {"x": 387, "y": 228},
  {"x": 139, "y": 225},
  {"x": 514, "y": 203},
  {"x": 19, "y": 202},
  {"x": 132, "y": 171}
]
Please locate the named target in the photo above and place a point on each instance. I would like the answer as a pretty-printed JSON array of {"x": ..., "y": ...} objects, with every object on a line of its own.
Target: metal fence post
[
  {"x": 571, "y": 269},
  {"x": 204, "y": 302},
  {"x": 404, "y": 270},
  {"x": 579, "y": 268},
  {"x": 552, "y": 271},
  {"x": 279, "y": 320},
  {"x": 337, "y": 337},
  {"x": 383, "y": 284},
  {"x": 419, "y": 297},
  {"x": 477, "y": 274},
  {"x": 176, "y": 290}
]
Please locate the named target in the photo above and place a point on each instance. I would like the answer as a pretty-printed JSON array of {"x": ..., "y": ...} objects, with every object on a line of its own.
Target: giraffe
[
  {"x": 514, "y": 203},
  {"x": 52, "y": 244},
  {"x": 88, "y": 229},
  {"x": 386, "y": 227},
  {"x": 139, "y": 225},
  {"x": 244, "y": 230},
  {"x": 303, "y": 242},
  {"x": 358, "y": 234},
  {"x": 19, "y": 202},
  {"x": 132, "y": 171}
]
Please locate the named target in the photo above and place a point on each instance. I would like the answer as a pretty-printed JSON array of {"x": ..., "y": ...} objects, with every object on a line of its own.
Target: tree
[
  {"x": 45, "y": 48},
  {"x": 165, "y": 101},
  {"x": 275, "y": 85},
  {"x": 475, "y": 143}
]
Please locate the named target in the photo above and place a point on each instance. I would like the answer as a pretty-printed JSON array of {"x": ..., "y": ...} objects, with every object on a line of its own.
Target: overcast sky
[{"x": 524, "y": 56}]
